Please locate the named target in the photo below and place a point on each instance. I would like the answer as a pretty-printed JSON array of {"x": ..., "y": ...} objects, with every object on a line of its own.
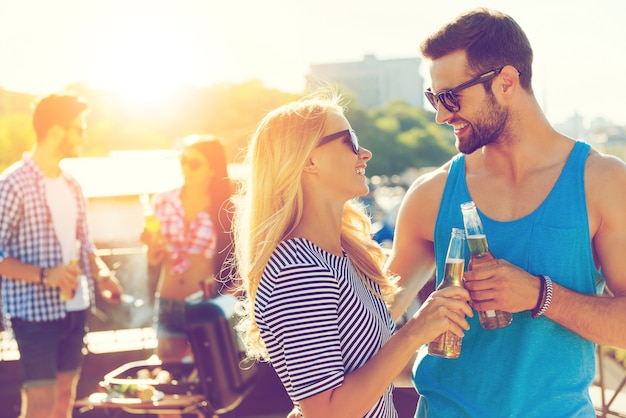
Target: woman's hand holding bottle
[{"x": 444, "y": 310}]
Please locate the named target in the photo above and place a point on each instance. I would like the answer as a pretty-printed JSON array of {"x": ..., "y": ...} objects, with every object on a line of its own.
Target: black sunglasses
[
  {"x": 80, "y": 130},
  {"x": 192, "y": 163},
  {"x": 447, "y": 97},
  {"x": 354, "y": 140}
]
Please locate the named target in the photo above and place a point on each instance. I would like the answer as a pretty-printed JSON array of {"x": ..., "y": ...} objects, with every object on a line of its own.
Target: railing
[
  {"x": 607, "y": 405},
  {"x": 97, "y": 342}
]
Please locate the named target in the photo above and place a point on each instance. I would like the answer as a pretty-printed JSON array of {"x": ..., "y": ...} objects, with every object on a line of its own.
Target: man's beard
[
  {"x": 67, "y": 149},
  {"x": 489, "y": 126}
]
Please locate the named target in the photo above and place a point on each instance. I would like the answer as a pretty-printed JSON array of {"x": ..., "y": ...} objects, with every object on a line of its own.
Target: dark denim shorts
[
  {"x": 170, "y": 318},
  {"x": 50, "y": 347}
]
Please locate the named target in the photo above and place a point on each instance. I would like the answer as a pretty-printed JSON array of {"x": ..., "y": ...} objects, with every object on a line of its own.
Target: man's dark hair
[
  {"x": 490, "y": 39},
  {"x": 56, "y": 109}
]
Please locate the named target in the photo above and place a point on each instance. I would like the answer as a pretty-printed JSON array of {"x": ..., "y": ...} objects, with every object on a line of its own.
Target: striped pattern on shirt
[{"x": 319, "y": 321}]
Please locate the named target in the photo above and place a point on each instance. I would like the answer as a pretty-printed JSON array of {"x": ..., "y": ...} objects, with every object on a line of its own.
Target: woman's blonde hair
[{"x": 270, "y": 203}]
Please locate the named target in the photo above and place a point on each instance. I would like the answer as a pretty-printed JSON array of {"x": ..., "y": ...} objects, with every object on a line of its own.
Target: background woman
[
  {"x": 316, "y": 305},
  {"x": 194, "y": 240}
]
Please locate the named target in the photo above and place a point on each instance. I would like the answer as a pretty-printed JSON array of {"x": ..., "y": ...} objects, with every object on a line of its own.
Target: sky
[{"x": 146, "y": 48}]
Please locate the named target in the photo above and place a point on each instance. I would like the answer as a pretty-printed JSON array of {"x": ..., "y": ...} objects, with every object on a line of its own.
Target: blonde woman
[{"x": 317, "y": 300}]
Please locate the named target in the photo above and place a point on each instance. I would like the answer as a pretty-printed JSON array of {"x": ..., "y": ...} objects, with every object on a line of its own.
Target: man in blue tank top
[{"x": 553, "y": 212}]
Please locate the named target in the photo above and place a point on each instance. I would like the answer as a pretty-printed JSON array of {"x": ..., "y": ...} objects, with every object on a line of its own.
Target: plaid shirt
[
  {"x": 198, "y": 238},
  {"x": 27, "y": 234}
]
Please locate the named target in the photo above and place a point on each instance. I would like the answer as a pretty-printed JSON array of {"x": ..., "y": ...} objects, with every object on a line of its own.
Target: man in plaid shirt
[{"x": 46, "y": 253}]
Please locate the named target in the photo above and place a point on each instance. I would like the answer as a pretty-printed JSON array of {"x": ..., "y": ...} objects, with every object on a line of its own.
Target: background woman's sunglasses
[
  {"x": 192, "y": 163},
  {"x": 354, "y": 140}
]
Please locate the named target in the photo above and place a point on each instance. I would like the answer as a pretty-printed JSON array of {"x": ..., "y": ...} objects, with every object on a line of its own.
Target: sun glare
[{"x": 143, "y": 59}]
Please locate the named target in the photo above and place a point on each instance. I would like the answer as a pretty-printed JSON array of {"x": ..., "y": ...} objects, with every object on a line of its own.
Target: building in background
[
  {"x": 604, "y": 135},
  {"x": 373, "y": 82}
]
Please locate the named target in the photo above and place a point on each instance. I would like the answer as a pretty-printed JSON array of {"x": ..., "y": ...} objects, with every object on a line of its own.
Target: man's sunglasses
[
  {"x": 448, "y": 97},
  {"x": 192, "y": 163},
  {"x": 354, "y": 140},
  {"x": 80, "y": 130}
]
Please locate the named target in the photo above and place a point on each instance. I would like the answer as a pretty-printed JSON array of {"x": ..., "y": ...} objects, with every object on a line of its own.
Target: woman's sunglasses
[
  {"x": 192, "y": 163},
  {"x": 354, "y": 140}
]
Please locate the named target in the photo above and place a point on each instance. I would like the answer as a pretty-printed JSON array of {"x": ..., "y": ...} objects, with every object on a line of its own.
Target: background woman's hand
[
  {"x": 209, "y": 287},
  {"x": 157, "y": 247}
]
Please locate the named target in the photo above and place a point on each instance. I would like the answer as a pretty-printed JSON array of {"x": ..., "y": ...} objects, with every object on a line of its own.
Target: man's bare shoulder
[
  {"x": 604, "y": 171},
  {"x": 429, "y": 183},
  {"x": 605, "y": 188},
  {"x": 419, "y": 208}
]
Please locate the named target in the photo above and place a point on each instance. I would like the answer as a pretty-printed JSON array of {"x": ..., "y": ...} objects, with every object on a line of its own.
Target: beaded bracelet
[{"x": 547, "y": 284}]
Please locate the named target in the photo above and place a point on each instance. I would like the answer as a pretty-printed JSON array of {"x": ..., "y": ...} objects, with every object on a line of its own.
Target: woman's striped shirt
[{"x": 319, "y": 321}]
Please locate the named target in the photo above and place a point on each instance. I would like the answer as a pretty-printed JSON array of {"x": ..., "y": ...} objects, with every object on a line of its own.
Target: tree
[
  {"x": 16, "y": 137},
  {"x": 400, "y": 136}
]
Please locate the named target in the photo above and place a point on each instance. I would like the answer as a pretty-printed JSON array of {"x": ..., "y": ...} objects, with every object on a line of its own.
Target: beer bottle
[
  {"x": 151, "y": 222},
  {"x": 481, "y": 257},
  {"x": 448, "y": 344}
]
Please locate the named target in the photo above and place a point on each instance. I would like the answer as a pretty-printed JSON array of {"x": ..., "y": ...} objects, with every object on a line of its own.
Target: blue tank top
[{"x": 533, "y": 367}]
